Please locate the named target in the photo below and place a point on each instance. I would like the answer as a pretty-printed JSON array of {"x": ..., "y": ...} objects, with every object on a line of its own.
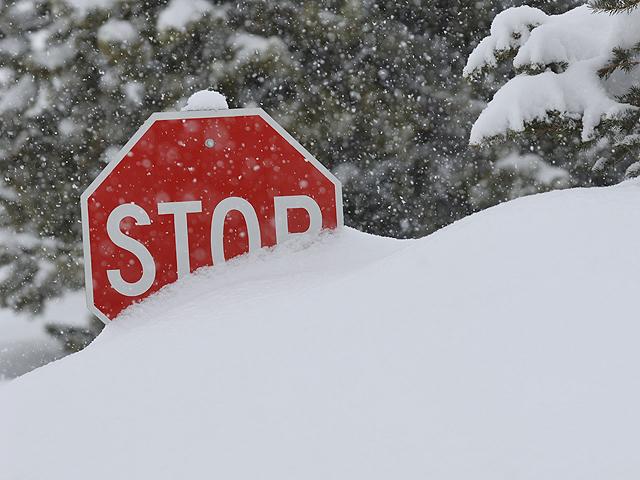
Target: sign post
[{"x": 192, "y": 189}]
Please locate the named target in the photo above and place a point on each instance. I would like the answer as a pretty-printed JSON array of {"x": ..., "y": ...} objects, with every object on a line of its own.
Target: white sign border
[{"x": 236, "y": 112}]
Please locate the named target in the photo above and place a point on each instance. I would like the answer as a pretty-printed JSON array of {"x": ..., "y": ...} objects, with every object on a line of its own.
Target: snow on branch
[
  {"x": 509, "y": 31},
  {"x": 179, "y": 14},
  {"x": 558, "y": 63},
  {"x": 614, "y": 6},
  {"x": 576, "y": 94}
]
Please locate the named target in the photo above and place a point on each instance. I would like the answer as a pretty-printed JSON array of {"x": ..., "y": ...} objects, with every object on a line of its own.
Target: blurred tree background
[{"x": 373, "y": 89}]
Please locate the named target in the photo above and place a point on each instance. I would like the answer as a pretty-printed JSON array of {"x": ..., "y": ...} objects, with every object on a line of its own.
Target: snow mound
[
  {"x": 503, "y": 346},
  {"x": 206, "y": 100}
]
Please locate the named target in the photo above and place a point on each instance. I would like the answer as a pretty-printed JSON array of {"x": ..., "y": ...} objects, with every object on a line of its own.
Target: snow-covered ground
[
  {"x": 502, "y": 347},
  {"x": 24, "y": 344}
]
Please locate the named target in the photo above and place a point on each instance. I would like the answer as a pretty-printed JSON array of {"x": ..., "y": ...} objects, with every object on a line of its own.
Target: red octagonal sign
[{"x": 197, "y": 188}]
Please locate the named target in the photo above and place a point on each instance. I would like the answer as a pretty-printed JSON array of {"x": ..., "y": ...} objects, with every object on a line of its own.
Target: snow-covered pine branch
[
  {"x": 614, "y": 6},
  {"x": 580, "y": 70}
]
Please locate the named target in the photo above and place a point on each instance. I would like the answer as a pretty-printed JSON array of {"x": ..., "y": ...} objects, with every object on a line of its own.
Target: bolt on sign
[{"x": 192, "y": 189}]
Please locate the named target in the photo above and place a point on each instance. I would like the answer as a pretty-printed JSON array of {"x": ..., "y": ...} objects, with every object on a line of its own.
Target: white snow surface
[
  {"x": 504, "y": 346},
  {"x": 540, "y": 40},
  {"x": 206, "y": 100}
]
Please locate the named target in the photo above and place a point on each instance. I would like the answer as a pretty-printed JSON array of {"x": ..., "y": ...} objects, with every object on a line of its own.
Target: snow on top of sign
[
  {"x": 206, "y": 100},
  {"x": 180, "y": 13},
  {"x": 117, "y": 31},
  {"x": 566, "y": 39},
  {"x": 503, "y": 345}
]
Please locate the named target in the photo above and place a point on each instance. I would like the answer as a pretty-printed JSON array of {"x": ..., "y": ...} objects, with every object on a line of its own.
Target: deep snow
[{"x": 502, "y": 347}]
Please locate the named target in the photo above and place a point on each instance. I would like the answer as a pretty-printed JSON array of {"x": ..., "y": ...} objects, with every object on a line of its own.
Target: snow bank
[
  {"x": 503, "y": 346},
  {"x": 206, "y": 100},
  {"x": 569, "y": 40}
]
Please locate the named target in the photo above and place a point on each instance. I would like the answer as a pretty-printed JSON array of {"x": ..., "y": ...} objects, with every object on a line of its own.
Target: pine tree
[
  {"x": 621, "y": 150},
  {"x": 592, "y": 115},
  {"x": 40, "y": 251},
  {"x": 615, "y": 6}
]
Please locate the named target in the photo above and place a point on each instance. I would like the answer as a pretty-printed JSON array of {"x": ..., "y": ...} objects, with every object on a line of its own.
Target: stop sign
[{"x": 192, "y": 189}]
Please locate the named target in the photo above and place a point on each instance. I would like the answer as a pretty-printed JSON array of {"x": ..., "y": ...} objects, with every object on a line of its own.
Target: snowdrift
[{"x": 502, "y": 347}]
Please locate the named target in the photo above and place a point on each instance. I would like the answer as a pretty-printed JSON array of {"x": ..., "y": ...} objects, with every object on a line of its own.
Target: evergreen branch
[
  {"x": 614, "y": 7},
  {"x": 623, "y": 59},
  {"x": 632, "y": 97}
]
